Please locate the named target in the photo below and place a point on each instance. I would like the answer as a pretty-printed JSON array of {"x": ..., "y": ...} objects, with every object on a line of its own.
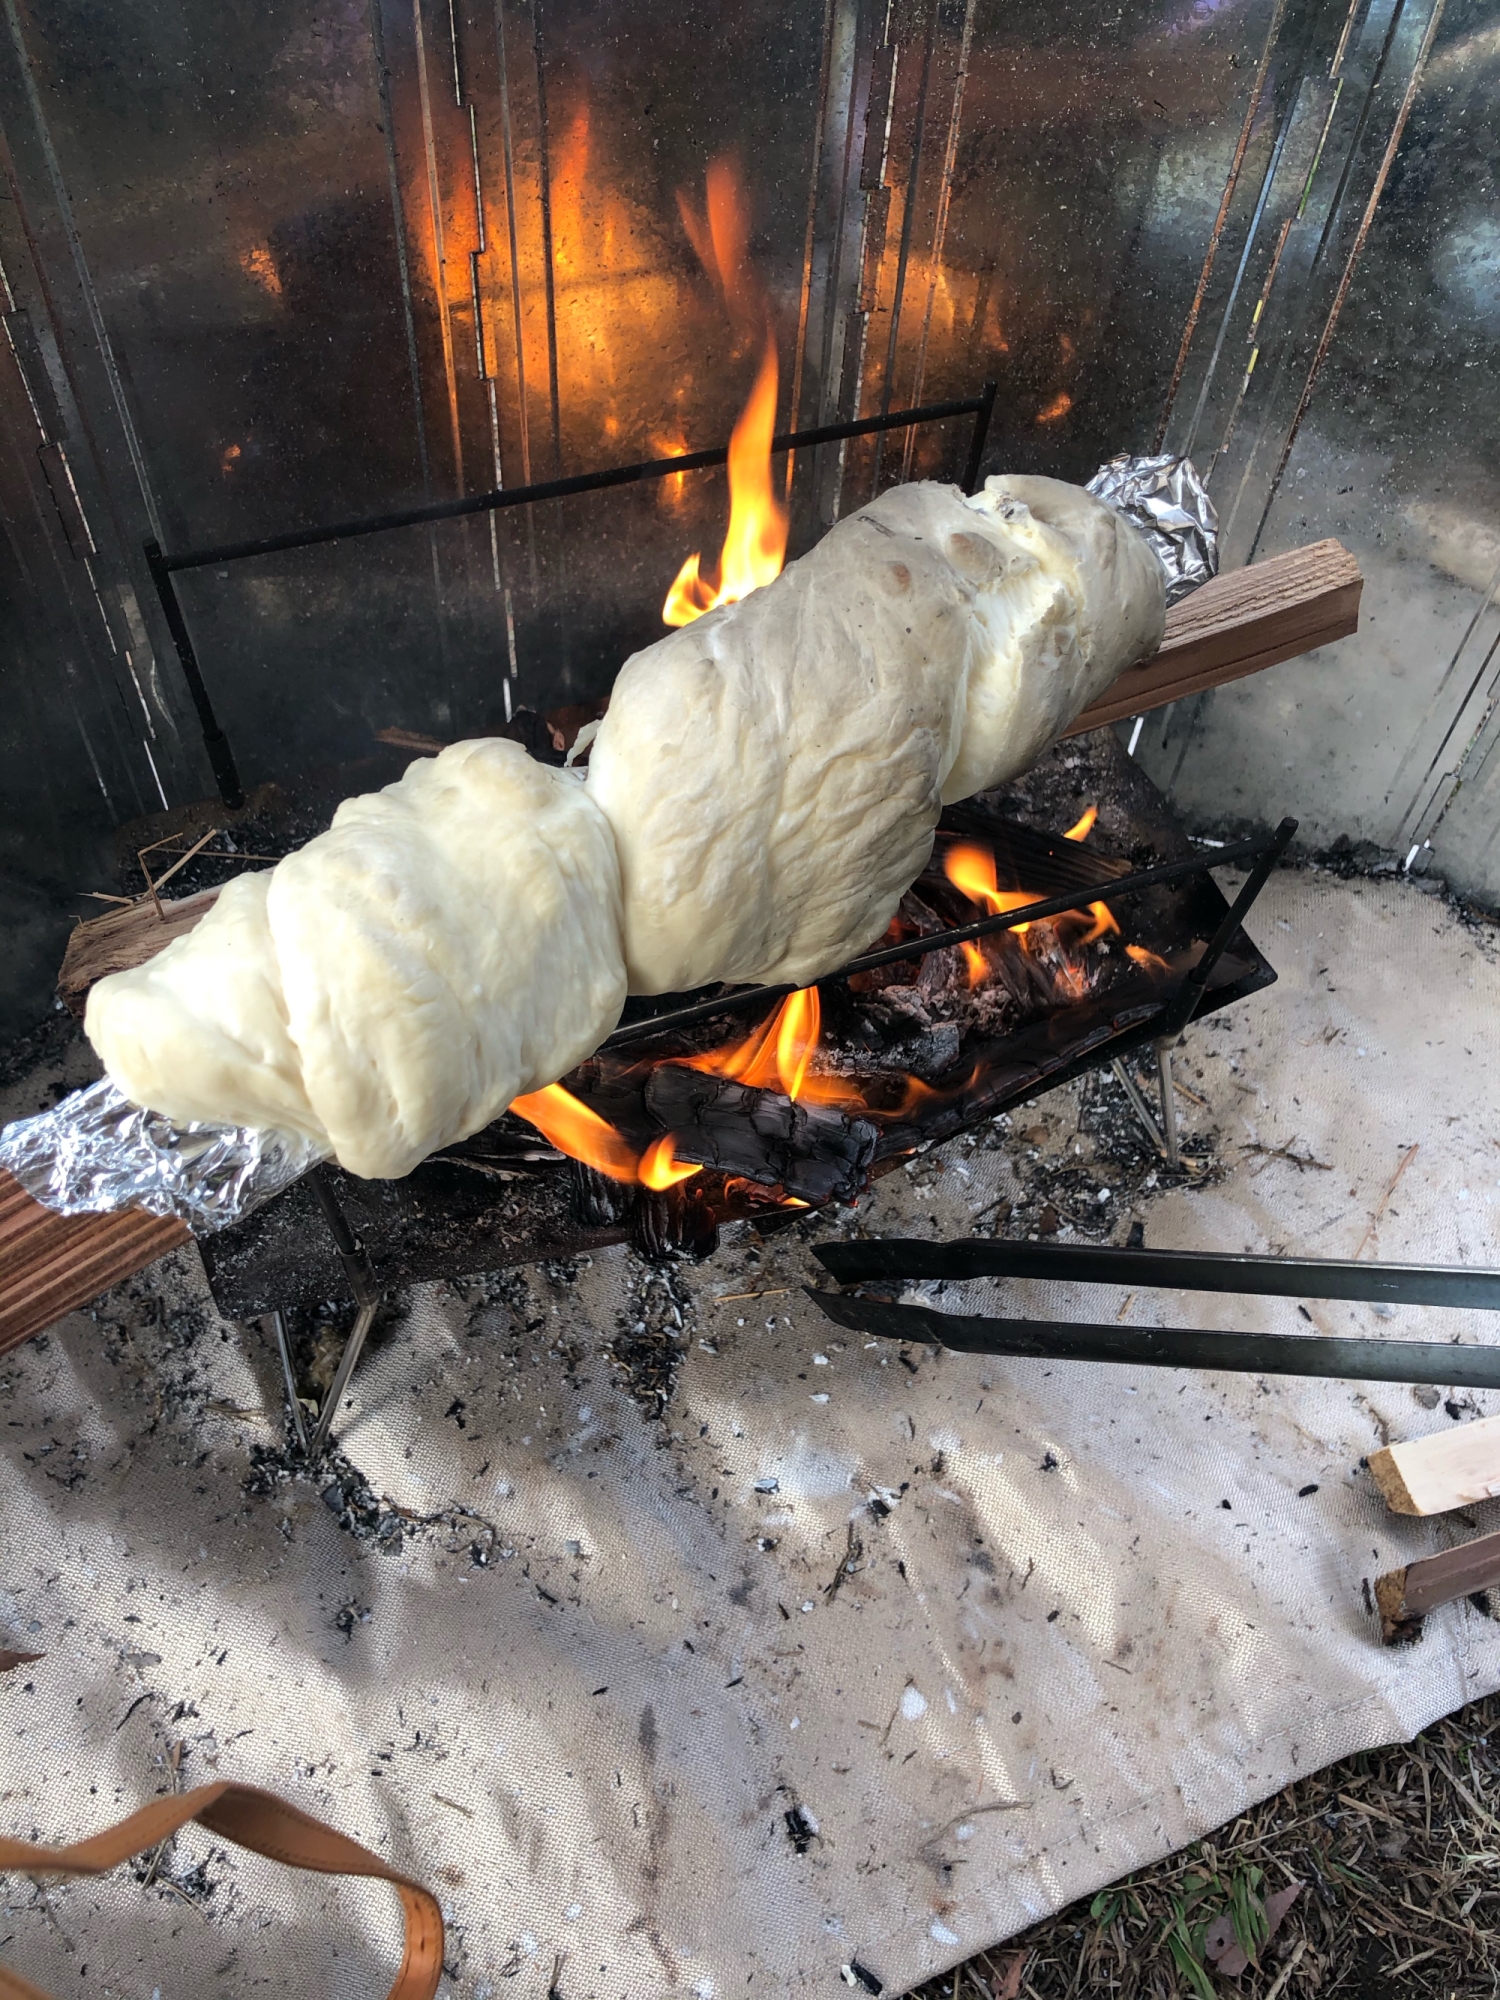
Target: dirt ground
[{"x": 1397, "y": 1854}]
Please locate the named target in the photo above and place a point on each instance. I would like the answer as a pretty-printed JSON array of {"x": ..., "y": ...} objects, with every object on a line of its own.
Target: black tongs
[{"x": 905, "y": 1260}]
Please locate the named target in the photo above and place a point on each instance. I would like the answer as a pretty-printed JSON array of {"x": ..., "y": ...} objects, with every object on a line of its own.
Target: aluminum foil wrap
[
  {"x": 1164, "y": 497},
  {"x": 96, "y": 1151}
]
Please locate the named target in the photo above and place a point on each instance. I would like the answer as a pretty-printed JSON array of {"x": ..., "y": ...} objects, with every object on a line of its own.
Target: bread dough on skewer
[
  {"x": 774, "y": 771},
  {"x": 451, "y": 942},
  {"x": 765, "y": 785}
]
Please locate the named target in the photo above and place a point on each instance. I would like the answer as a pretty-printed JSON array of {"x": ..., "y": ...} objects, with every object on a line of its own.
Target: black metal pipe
[
  {"x": 981, "y": 434},
  {"x": 1177, "y": 1270},
  {"x": 1441, "y": 1362},
  {"x": 561, "y": 489},
  {"x": 215, "y": 742},
  {"x": 893, "y": 954},
  {"x": 1185, "y": 1002},
  {"x": 351, "y": 1252}
]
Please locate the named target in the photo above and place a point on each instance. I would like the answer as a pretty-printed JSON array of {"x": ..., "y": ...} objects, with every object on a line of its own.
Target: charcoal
[{"x": 812, "y": 1151}]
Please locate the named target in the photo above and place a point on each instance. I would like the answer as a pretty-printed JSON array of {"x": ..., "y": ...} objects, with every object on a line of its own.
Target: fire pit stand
[{"x": 506, "y": 1197}]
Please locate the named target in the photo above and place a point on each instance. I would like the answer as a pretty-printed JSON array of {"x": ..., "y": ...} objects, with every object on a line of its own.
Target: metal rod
[
  {"x": 289, "y": 1377},
  {"x": 1050, "y": 906},
  {"x": 1182, "y": 1007},
  {"x": 1178, "y": 1270},
  {"x": 1138, "y": 1104},
  {"x": 353, "y": 1348},
  {"x": 981, "y": 434},
  {"x": 215, "y": 742},
  {"x": 1450, "y": 1366},
  {"x": 1168, "y": 1102},
  {"x": 350, "y": 1250},
  {"x": 582, "y": 482}
]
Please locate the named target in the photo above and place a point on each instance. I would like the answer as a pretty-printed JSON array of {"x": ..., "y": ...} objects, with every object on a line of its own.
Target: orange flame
[
  {"x": 575, "y": 1130},
  {"x": 755, "y": 541},
  {"x": 971, "y": 869},
  {"x": 660, "y": 1167},
  {"x": 778, "y": 1055},
  {"x": 1139, "y": 955},
  {"x": 1081, "y": 829},
  {"x": 1056, "y": 409}
]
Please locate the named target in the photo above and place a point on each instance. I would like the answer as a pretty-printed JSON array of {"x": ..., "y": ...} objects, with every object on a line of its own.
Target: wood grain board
[
  {"x": 54, "y": 1263},
  {"x": 1404, "y": 1597},
  {"x": 122, "y": 939},
  {"x": 1242, "y": 621}
]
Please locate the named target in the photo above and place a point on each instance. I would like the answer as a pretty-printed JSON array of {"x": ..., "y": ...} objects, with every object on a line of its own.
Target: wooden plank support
[
  {"x": 1404, "y": 1597},
  {"x": 1242, "y": 621},
  {"x": 1433, "y": 1475},
  {"x": 55, "y": 1263}
]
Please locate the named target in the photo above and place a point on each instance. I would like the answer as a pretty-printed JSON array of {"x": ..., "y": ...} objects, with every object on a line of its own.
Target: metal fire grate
[{"x": 165, "y": 567}]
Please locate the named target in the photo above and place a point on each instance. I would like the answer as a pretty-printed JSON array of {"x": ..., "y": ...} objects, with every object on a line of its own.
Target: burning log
[{"x": 812, "y": 1151}]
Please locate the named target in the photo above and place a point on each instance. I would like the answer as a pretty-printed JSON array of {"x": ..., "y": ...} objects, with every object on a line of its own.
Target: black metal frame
[
  {"x": 1263, "y": 850},
  {"x": 1436, "y": 1361},
  {"x": 1177, "y": 1270},
  {"x": 164, "y": 567}
]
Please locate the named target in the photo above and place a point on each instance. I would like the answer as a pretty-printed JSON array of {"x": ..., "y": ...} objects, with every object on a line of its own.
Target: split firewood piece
[
  {"x": 1433, "y": 1475},
  {"x": 122, "y": 940},
  {"x": 55, "y": 1263},
  {"x": 1242, "y": 621},
  {"x": 1404, "y": 1597}
]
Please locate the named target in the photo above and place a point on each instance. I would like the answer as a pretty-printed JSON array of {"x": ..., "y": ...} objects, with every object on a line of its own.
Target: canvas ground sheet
[{"x": 621, "y": 1567}]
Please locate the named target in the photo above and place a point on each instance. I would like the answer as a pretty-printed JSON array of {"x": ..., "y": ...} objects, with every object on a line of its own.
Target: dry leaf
[{"x": 9, "y": 1660}]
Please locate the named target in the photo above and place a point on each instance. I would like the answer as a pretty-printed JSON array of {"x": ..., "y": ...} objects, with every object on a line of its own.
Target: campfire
[{"x": 811, "y": 1096}]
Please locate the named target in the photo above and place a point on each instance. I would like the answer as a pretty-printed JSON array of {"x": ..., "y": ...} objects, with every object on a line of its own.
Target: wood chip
[{"x": 1433, "y": 1475}]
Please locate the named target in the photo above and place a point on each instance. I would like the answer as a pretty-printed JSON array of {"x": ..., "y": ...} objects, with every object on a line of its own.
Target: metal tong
[{"x": 1371, "y": 1360}]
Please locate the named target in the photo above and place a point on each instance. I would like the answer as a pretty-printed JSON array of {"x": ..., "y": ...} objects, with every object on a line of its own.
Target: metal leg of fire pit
[
  {"x": 366, "y": 1296},
  {"x": 1168, "y": 1103},
  {"x": 289, "y": 1377},
  {"x": 1138, "y": 1105},
  {"x": 353, "y": 1348}
]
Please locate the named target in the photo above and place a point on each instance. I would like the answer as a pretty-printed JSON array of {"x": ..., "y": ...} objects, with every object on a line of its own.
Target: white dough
[
  {"x": 774, "y": 771},
  {"x": 763, "y": 789},
  {"x": 450, "y": 943}
]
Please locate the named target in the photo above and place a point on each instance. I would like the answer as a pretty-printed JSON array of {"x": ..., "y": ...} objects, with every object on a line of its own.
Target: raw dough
[
  {"x": 449, "y": 943},
  {"x": 774, "y": 771}
]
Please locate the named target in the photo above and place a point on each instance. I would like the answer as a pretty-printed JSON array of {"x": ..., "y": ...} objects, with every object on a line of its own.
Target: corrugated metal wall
[{"x": 272, "y": 265}]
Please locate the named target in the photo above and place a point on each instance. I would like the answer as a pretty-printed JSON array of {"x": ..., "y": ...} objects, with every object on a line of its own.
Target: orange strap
[{"x": 266, "y": 1825}]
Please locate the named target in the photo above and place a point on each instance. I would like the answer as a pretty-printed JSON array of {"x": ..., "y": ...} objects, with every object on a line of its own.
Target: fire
[
  {"x": 583, "y": 1135},
  {"x": 971, "y": 869},
  {"x": 1056, "y": 410},
  {"x": 661, "y": 1168},
  {"x": 755, "y": 542},
  {"x": 778, "y": 1055},
  {"x": 575, "y": 1130},
  {"x": 1148, "y": 960}
]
